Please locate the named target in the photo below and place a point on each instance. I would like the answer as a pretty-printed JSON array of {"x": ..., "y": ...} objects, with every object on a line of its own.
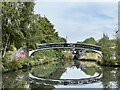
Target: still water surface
[{"x": 72, "y": 70}]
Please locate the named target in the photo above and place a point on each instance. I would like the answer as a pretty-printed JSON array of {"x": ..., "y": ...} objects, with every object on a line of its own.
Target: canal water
[{"x": 63, "y": 74}]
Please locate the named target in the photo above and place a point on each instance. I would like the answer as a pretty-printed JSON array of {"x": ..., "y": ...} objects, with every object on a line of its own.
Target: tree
[
  {"x": 10, "y": 25},
  {"x": 21, "y": 27},
  {"x": 27, "y": 21},
  {"x": 104, "y": 42},
  {"x": 15, "y": 22},
  {"x": 45, "y": 33},
  {"x": 118, "y": 47},
  {"x": 90, "y": 40}
]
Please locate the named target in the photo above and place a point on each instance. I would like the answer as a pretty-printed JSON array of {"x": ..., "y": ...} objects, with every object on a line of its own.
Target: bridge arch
[{"x": 83, "y": 46}]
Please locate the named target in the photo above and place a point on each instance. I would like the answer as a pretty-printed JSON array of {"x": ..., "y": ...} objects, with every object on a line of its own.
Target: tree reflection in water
[
  {"x": 111, "y": 77},
  {"x": 19, "y": 79}
]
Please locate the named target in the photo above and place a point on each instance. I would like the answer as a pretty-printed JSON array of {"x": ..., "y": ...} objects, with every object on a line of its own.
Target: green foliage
[
  {"x": 118, "y": 48},
  {"x": 21, "y": 27},
  {"x": 49, "y": 70},
  {"x": 104, "y": 42},
  {"x": 47, "y": 55},
  {"x": 41, "y": 57},
  {"x": 90, "y": 40},
  {"x": 113, "y": 42},
  {"x": 14, "y": 80},
  {"x": 67, "y": 55},
  {"x": 45, "y": 32},
  {"x": 12, "y": 48},
  {"x": 15, "y": 23},
  {"x": 10, "y": 65},
  {"x": 90, "y": 71}
]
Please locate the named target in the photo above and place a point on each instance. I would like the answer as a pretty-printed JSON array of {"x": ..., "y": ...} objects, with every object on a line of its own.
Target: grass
[
  {"x": 38, "y": 58},
  {"x": 92, "y": 56}
]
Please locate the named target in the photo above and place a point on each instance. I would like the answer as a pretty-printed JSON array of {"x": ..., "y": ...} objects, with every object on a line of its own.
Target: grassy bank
[
  {"x": 38, "y": 58},
  {"x": 91, "y": 56}
]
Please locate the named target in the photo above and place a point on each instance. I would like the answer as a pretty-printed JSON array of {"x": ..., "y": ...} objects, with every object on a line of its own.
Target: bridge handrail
[
  {"x": 47, "y": 45},
  {"x": 69, "y": 43}
]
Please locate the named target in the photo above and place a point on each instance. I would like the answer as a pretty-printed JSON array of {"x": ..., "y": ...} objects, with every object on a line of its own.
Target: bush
[
  {"x": 13, "y": 48},
  {"x": 47, "y": 56}
]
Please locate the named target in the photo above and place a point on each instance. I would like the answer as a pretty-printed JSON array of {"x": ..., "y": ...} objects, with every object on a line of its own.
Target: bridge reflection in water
[
  {"x": 65, "y": 81},
  {"x": 74, "y": 66},
  {"x": 89, "y": 77}
]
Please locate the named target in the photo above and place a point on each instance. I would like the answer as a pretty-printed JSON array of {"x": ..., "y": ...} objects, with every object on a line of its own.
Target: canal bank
[
  {"x": 47, "y": 56},
  {"x": 73, "y": 73},
  {"x": 39, "y": 58}
]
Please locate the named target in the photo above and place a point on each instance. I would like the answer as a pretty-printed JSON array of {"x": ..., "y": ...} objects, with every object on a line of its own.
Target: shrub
[{"x": 13, "y": 48}]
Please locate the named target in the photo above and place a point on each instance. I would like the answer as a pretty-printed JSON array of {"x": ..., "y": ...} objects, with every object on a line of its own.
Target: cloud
[
  {"x": 77, "y": 0},
  {"x": 78, "y": 21}
]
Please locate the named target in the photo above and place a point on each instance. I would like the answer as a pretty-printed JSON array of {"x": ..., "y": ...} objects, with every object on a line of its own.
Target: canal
[{"x": 63, "y": 74}]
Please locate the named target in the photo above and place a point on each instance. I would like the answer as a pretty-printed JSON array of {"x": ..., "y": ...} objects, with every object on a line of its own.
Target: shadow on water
[{"x": 65, "y": 70}]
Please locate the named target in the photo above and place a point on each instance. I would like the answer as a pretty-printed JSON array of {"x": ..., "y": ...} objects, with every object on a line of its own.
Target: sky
[{"x": 78, "y": 20}]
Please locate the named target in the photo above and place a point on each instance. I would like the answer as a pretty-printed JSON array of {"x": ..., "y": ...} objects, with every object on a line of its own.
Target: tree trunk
[{"x": 4, "y": 52}]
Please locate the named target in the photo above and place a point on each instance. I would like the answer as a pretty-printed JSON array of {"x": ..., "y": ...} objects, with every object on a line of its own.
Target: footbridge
[{"x": 82, "y": 46}]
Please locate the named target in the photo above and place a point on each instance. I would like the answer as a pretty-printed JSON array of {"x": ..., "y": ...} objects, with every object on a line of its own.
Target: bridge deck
[{"x": 81, "y": 46}]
